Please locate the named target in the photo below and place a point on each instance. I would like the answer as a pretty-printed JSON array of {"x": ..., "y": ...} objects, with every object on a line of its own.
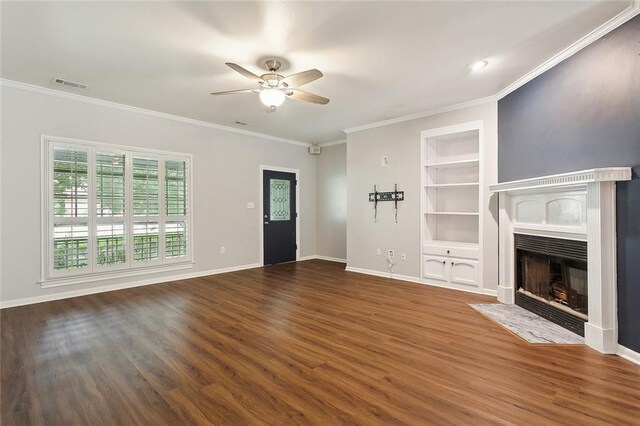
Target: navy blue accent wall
[{"x": 585, "y": 113}]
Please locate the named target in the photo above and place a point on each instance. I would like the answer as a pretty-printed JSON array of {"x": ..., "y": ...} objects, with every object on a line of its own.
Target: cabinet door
[
  {"x": 435, "y": 267},
  {"x": 464, "y": 272}
]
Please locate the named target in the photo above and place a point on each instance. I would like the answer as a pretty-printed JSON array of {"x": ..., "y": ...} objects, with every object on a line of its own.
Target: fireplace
[
  {"x": 569, "y": 209},
  {"x": 551, "y": 279}
]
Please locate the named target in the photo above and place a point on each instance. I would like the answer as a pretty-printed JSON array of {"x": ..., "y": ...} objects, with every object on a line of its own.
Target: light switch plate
[{"x": 251, "y": 205}]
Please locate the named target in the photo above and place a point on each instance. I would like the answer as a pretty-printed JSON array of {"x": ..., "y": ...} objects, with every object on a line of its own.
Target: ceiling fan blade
[
  {"x": 304, "y": 77},
  {"x": 244, "y": 72},
  {"x": 233, "y": 92},
  {"x": 300, "y": 95}
]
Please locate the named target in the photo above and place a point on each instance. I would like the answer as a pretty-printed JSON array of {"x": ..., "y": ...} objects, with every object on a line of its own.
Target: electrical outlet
[
  {"x": 391, "y": 254},
  {"x": 379, "y": 252},
  {"x": 403, "y": 256},
  {"x": 223, "y": 250}
]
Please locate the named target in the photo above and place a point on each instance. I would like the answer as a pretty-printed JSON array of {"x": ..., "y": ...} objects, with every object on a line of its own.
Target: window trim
[{"x": 94, "y": 272}]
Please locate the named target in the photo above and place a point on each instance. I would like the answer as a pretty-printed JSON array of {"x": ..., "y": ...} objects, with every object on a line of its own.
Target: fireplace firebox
[{"x": 551, "y": 276}]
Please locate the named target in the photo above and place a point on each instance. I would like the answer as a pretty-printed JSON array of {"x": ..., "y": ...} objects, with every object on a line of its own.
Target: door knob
[
  {"x": 265, "y": 216},
  {"x": 266, "y": 223}
]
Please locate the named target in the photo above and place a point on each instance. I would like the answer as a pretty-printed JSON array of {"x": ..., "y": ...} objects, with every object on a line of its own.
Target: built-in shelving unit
[{"x": 451, "y": 200}]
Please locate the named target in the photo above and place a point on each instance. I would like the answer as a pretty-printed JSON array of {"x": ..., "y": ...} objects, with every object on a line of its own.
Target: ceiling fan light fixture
[
  {"x": 478, "y": 65},
  {"x": 272, "y": 97},
  {"x": 274, "y": 88}
]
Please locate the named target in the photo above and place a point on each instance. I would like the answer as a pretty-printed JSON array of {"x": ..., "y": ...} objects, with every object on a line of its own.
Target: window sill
[{"x": 102, "y": 276}]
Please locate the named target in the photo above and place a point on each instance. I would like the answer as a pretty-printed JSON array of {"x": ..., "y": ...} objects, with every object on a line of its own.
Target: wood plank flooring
[{"x": 299, "y": 343}]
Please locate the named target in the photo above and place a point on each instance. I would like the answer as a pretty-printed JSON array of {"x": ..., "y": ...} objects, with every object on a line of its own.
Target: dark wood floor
[{"x": 304, "y": 343}]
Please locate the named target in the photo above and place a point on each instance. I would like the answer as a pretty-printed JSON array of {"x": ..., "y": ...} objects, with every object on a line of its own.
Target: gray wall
[
  {"x": 585, "y": 113},
  {"x": 226, "y": 177},
  {"x": 401, "y": 143},
  {"x": 331, "y": 202}
]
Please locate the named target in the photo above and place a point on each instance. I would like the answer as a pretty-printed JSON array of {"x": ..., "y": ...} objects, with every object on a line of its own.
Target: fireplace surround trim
[{"x": 572, "y": 206}]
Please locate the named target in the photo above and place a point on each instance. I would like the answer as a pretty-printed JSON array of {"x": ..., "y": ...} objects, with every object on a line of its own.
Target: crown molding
[
  {"x": 613, "y": 23},
  {"x": 435, "y": 111},
  {"x": 582, "y": 177},
  {"x": 624, "y": 16},
  {"x": 332, "y": 143},
  {"x": 152, "y": 113}
]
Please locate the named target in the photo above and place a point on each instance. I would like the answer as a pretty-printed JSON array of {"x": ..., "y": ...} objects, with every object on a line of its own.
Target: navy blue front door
[{"x": 279, "y": 220}]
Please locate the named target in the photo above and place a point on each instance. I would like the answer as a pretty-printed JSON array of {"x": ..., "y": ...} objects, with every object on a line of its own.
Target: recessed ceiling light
[{"x": 478, "y": 65}]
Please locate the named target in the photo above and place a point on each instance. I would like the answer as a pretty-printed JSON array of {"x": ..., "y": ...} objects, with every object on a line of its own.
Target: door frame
[{"x": 264, "y": 167}]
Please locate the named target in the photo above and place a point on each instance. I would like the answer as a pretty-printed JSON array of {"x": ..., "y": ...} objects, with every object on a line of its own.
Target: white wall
[
  {"x": 331, "y": 202},
  {"x": 401, "y": 143},
  {"x": 226, "y": 177}
]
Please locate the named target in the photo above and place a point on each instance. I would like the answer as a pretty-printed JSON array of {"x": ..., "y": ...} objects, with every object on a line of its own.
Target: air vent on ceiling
[{"x": 68, "y": 83}]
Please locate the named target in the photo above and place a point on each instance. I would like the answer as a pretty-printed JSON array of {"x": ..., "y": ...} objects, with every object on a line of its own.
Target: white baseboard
[
  {"x": 331, "y": 259},
  {"x": 317, "y": 256},
  {"x": 131, "y": 284},
  {"x": 628, "y": 354},
  {"x": 415, "y": 280}
]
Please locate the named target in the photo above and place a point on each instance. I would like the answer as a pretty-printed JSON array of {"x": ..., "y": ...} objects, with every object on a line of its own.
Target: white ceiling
[{"x": 380, "y": 60}]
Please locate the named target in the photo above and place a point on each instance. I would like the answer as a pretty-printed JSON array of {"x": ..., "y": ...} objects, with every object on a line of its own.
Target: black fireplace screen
[{"x": 553, "y": 270}]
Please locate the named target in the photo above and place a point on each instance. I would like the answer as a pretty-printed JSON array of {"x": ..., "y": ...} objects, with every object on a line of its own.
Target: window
[{"x": 113, "y": 209}]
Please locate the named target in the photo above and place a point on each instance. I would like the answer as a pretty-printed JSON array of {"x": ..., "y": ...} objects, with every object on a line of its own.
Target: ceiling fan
[{"x": 274, "y": 88}]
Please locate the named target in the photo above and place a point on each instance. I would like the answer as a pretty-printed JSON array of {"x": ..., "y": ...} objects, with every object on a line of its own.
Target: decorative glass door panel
[{"x": 280, "y": 207}]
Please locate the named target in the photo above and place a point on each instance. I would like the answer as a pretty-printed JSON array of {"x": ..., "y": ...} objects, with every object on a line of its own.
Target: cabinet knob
[
  {"x": 444, "y": 262},
  {"x": 448, "y": 251},
  {"x": 452, "y": 263}
]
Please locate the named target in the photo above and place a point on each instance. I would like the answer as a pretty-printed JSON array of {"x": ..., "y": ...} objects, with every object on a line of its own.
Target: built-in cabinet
[{"x": 451, "y": 216}]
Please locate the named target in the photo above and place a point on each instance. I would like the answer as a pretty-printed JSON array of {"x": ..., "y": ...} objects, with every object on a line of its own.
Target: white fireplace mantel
[{"x": 578, "y": 205}]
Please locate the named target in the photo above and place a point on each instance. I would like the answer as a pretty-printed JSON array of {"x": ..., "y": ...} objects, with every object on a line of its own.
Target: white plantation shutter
[
  {"x": 176, "y": 189},
  {"x": 146, "y": 241},
  {"x": 175, "y": 238},
  {"x": 146, "y": 186},
  {"x": 111, "y": 244},
  {"x": 110, "y": 236},
  {"x": 146, "y": 209},
  {"x": 70, "y": 208},
  {"x": 70, "y": 245},
  {"x": 70, "y": 179},
  {"x": 110, "y": 181},
  {"x": 114, "y": 209}
]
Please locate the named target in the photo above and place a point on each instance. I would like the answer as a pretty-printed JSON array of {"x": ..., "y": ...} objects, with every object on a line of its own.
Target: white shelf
[
  {"x": 451, "y": 185},
  {"x": 454, "y": 213},
  {"x": 445, "y": 243},
  {"x": 454, "y": 164}
]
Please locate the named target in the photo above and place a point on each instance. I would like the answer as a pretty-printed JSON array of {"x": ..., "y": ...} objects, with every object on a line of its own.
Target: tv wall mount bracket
[{"x": 375, "y": 197}]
